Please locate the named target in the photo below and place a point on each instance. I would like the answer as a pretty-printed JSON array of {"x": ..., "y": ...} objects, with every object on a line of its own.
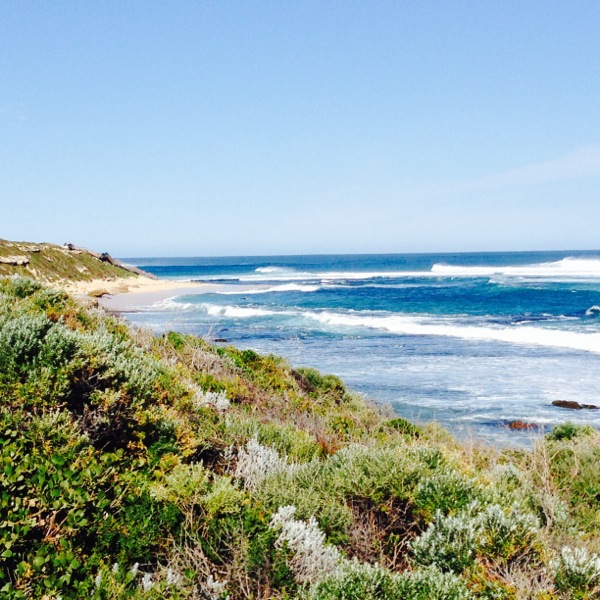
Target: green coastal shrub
[
  {"x": 447, "y": 492},
  {"x": 452, "y": 543},
  {"x": 297, "y": 445},
  {"x": 449, "y": 543},
  {"x": 574, "y": 469},
  {"x": 323, "y": 384},
  {"x": 431, "y": 584},
  {"x": 376, "y": 473},
  {"x": 578, "y": 571},
  {"x": 356, "y": 581},
  {"x": 139, "y": 530},
  {"x": 404, "y": 426},
  {"x": 20, "y": 287},
  {"x": 54, "y": 494},
  {"x": 568, "y": 431},
  {"x": 507, "y": 533},
  {"x": 198, "y": 492},
  {"x": 21, "y": 339}
]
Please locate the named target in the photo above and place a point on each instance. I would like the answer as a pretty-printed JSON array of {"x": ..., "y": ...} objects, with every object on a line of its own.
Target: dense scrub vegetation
[{"x": 136, "y": 466}]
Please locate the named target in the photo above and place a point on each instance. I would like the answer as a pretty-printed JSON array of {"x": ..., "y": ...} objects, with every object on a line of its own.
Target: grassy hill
[
  {"x": 135, "y": 466},
  {"x": 52, "y": 263}
]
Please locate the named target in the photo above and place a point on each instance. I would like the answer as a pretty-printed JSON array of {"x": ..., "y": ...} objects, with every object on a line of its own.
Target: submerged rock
[
  {"x": 571, "y": 404},
  {"x": 522, "y": 425}
]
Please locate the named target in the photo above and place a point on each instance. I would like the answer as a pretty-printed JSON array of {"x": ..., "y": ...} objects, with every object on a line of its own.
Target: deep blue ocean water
[{"x": 470, "y": 340}]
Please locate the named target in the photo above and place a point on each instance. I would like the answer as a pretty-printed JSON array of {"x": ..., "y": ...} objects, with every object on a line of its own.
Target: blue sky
[{"x": 225, "y": 128}]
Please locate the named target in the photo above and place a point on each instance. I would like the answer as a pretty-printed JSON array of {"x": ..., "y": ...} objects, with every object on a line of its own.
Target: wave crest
[
  {"x": 570, "y": 268},
  {"x": 284, "y": 287},
  {"x": 520, "y": 334}
]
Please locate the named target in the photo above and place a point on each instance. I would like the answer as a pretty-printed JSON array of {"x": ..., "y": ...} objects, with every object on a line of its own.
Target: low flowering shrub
[
  {"x": 356, "y": 581},
  {"x": 452, "y": 542},
  {"x": 577, "y": 570},
  {"x": 196, "y": 491},
  {"x": 311, "y": 558},
  {"x": 449, "y": 543},
  {"x": 506, "y": 533},
  {"x": 430, "y": 584},
  {"x": 216, "y": 400},
  {"x": 255, "y": 462}
]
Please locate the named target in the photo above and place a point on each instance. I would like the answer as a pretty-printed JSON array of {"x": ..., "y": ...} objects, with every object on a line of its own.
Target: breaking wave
[
  {"x": 567, "y": 269},
  {"x": 519, "y": 334},
  {"x": 284, "y": 287},
  {"x": 523, "y": 333}
]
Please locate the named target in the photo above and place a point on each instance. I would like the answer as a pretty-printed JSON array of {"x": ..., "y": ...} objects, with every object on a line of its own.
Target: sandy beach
[{"x": 128, "y": 294}]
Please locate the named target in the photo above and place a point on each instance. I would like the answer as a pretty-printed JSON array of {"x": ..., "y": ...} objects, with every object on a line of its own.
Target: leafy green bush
[
  {"x": 452, "y": 543},
  {"x": 356, "y": 581},
  {"x": 577, "y": 571},
  {"x": 20, "y": 287},
  {"x": 567, "y": 431},
  {"x": 448, "y": 492},
  {"x": 53, "y": 496},
  {"x": 404, "y": 426},
  {"x": 430, "y": 584},
  {"x": 507, "y": 533},
  {"x": 574, "y": 469},
  {"x": 449, "y": 543}
]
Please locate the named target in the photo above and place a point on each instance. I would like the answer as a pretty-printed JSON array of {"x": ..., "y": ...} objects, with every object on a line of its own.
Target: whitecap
[
  {"x": 271, "y": 270},
  {"x": 285, "y": 287},
  {"x": 234, "y": 312},
  {"x": 567, "y": 269},
  {"x": 420, "y": 326},
  {"x": 172, "y": 304}
]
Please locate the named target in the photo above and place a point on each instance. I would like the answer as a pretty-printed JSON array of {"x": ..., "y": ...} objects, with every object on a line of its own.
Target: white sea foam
[
  {"x": 325, "y": 276},
  {"x": 567, "y": 269},
  {"x": 235, "y": 312},
  {"x": 516, "y": 334},
  {"x": 274, "y": 270},
  {"x": 171, "y": 304},
  {"x": 522, "y": 334},
  {"x": 284, "y": 287}
]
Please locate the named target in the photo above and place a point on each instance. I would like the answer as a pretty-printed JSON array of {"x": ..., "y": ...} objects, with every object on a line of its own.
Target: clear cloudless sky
[{"x": 149, "y": 128}]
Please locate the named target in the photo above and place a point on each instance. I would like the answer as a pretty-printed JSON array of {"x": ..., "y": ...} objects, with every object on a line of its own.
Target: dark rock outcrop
[
  {"x": 107, "y": 258},
  {"x": 522, "y": 426},
  {"x": 571, "y": 404}
]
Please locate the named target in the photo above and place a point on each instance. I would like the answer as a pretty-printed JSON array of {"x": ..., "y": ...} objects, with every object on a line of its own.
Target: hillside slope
[
  {"x": 135, "y": 466},
  {"x": 52, "y": 263}
]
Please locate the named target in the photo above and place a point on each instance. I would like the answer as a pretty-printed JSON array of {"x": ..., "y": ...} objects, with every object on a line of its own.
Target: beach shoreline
[{"x": 133, "y": 293}]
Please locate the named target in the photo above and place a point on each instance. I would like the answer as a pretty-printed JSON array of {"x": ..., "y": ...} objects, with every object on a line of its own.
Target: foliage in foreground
[{"x": 143, "y": 467}]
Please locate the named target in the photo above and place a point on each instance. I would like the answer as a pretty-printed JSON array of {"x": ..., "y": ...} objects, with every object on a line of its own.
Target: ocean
[{"x": 473, "y": 341}]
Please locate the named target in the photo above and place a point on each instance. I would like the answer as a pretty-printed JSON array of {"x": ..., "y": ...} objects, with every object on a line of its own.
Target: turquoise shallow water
[{"x": 471, "y": 340}]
